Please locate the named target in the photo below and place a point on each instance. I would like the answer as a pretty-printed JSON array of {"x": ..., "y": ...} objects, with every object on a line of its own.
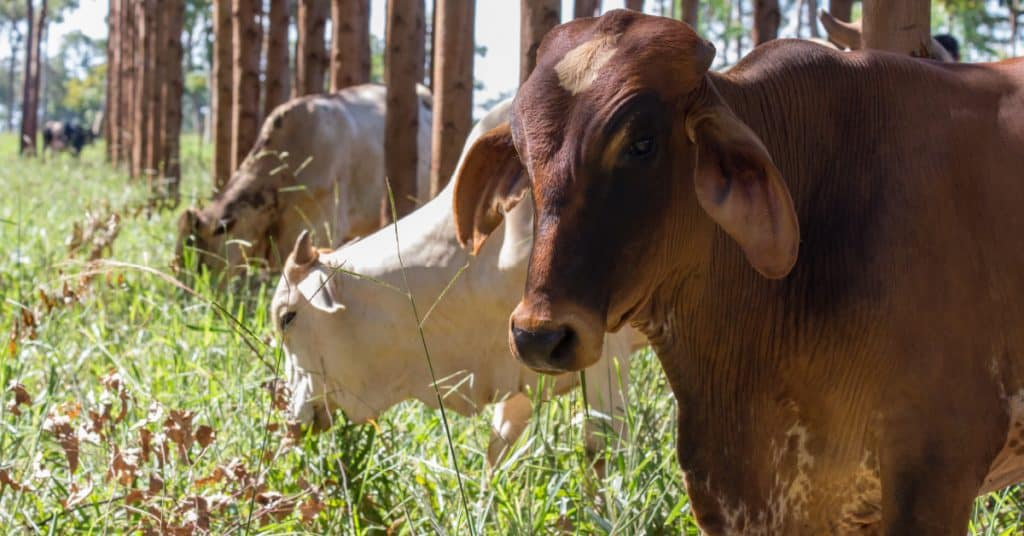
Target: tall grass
[{"x": 178, "y": 423}]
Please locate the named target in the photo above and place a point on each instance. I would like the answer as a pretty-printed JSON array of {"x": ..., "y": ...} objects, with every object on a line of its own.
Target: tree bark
[
  {"x": 222, "y": 93},
  {"x": 537, "y": 18},
  {"x": 126, "y": 116},
  {"x": 173, "y": 89},
  {"x": 586, "y": 8},
  {"x": 112, "y": 95},
  {"x": 155, "y": 108},
  {"x": 311, "y": 52},
  {"x": 766, "y": 21},
  {"x": 841, "y": 9},
  {"x": 278, "y": 74},
  {"x": 245, "y": 95},
  {"x": 812, "y": 17},
  {"x": 12, "y": 68},
  {"x": 635, "y": 5},
  {"x": 403, "y": 69},
  {"x": 691, "y": 12},
  {"x": 453, "y": 88},
  {"x": 30, "y": 89},
  {"x": 903, "y": 27},
  {"x": 350, "y": 43}
]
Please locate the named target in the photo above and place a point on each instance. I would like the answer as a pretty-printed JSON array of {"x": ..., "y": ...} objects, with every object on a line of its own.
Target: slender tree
[
  {"x": 156, "y": 62},
  {"x": 903, "y": 27},
  {"x": 537, "y": 18},
  {"x": 144, "y": 10},
  {"x": 245, "y": 120},
  {"x": 350, "y": 43},
  {"x": 453, "y": 87},
  {"x": 310, "y": 50},
  {"x": 403, "y": 69},
  {"x": 586, "y": 8},
  {"x": 173, "y": 89},
  {"x": 812, "y": 17},
  {"x": 635, "y": 5},
  {"x": 30, "y": 86},
  {"x": 126, "y": 115},
  {"x": 112, "y": 96},
  {"x": 276, "y": 53},
  {"x": 691, "y": 12},
  {"x": 222, "y": 93},
  {"x": 766, "y": 21}
]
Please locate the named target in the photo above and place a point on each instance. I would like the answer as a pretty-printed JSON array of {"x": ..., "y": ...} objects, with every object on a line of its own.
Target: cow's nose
[{"x": 547, "y": 349}]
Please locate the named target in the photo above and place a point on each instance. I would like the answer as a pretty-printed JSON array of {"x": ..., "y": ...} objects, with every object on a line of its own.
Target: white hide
[{"x": 365, "y": 355}]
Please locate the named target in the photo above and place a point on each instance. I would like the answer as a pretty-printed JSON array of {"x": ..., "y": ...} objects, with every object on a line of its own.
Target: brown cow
[{"x": 875, "y": 385}]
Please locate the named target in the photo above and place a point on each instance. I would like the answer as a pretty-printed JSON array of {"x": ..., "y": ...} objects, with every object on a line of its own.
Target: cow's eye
[
  {"x": 286, "y": 319},
  {"x": 641, "y": 148}
]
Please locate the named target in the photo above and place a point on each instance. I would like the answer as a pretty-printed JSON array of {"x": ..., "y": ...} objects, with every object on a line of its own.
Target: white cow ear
[{"x": 319, "y": 291}]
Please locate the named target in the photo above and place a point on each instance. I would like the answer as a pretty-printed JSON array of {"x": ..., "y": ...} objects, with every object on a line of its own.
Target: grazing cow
[
  {"x": 65, "y": 136},
  {"x": 874, "y": 385},
  {"x": 353, "y": 343},
  {"x": 318, "y": 164}
]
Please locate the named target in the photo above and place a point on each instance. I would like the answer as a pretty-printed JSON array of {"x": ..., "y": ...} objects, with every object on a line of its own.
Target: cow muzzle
[{"x": 555, "y": 343}]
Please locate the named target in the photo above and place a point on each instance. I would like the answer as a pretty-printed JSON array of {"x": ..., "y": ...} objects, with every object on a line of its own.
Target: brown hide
[{"x": 871, "y": 389}]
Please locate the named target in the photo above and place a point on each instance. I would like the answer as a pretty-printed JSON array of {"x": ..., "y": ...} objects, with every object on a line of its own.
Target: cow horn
[
  {"x": 842, "y": 33},
  {"x": 304, "y": 253}
]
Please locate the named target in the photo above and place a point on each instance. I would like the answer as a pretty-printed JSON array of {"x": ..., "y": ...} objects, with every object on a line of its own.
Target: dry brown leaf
[
  {"x": 274, "y": 505},
  {"x": 21, "y": 397},
  {"x": 124, "y": 466},
  {"x": 78, "y": 494},
  {"x": 135, "y": 496},
  {"x": 156, "y": 484},
  {"x": 279, "y": 393},
  {"x": 7, "y": 481},
  {"x": 178, "y": 428},
  {"x": 59, "y": 424},
  {"x": 205, "y": 435},
  {"x": 310, "y": 509},
  {"x": 217, "y": 476}
]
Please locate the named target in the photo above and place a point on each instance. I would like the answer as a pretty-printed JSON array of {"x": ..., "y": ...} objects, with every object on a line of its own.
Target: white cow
[
  {"x": 351, "y": 341},
  {"x": 318, "y": 164}
]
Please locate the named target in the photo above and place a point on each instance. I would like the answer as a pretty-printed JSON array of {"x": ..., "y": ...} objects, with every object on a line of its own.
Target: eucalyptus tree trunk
[
  {"x": 311, "y": 52},
  {"x": 350, "y": 43},
  {"x": 766, "y": 21},
  {"x": 173, "y": 89},
  {"x": 903, "y": 27},
  {"x": 403, "y": 69},
  {"x": 453, "y": 87},
  {"x": 278, "y": 73},
  {"x": 221, "y": 91},
  {"x": 538, "y": 17},
  {"x": 245, "y": 87},
  {"x": 586, "y": 8}
]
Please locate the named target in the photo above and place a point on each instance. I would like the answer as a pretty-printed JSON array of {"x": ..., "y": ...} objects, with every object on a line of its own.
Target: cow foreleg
[{"x": 510, "y": 419}]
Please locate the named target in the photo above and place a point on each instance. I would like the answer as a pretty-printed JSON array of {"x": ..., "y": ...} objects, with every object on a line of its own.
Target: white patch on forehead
[{"x": 578, "y": 69}]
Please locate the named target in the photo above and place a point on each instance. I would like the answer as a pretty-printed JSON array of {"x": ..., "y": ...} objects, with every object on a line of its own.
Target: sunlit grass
[{"x": 130, "y": 334}]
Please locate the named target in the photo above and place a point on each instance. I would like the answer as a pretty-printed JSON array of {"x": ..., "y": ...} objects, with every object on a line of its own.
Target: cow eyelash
[{"x": 287, "y": 319}]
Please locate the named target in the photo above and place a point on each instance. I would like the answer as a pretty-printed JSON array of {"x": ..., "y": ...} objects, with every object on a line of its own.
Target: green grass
[{"x": 173, "y": 351}]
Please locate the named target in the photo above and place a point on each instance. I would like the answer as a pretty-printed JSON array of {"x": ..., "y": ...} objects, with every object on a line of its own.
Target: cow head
[
  {"x": 235, "y": 229},
  {"x": 632, "y": 155}
]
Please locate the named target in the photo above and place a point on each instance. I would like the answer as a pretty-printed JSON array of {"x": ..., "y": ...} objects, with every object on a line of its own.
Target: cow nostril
[{"x": 545, "y": 346}]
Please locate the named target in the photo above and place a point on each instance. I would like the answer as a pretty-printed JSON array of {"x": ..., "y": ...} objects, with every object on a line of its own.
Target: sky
[{"x": 497, "y": 28}]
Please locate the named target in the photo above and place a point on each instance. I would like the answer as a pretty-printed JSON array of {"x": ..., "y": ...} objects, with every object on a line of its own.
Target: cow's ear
[
  {"x": 313, "y": 280},
  {"x": 741, "y": 189},
  {"x": 190, "y": 221},
  {"x": 489, "y": 182}
]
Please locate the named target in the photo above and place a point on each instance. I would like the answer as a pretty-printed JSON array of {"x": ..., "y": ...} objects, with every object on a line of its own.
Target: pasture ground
[{"x": 130, "y": 404}]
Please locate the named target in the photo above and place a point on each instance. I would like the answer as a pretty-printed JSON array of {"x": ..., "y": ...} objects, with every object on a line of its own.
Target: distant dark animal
[{"x": 60, "y": 136}]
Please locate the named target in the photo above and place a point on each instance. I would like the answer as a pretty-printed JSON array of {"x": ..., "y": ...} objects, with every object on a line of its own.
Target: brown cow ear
[
  {"x": 741, "y": 189},
  {"x": 489, "y": 183}
]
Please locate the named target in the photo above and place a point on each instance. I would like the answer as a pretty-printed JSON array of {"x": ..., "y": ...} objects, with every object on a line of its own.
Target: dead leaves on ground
[{"x": 164, "y": 441}]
